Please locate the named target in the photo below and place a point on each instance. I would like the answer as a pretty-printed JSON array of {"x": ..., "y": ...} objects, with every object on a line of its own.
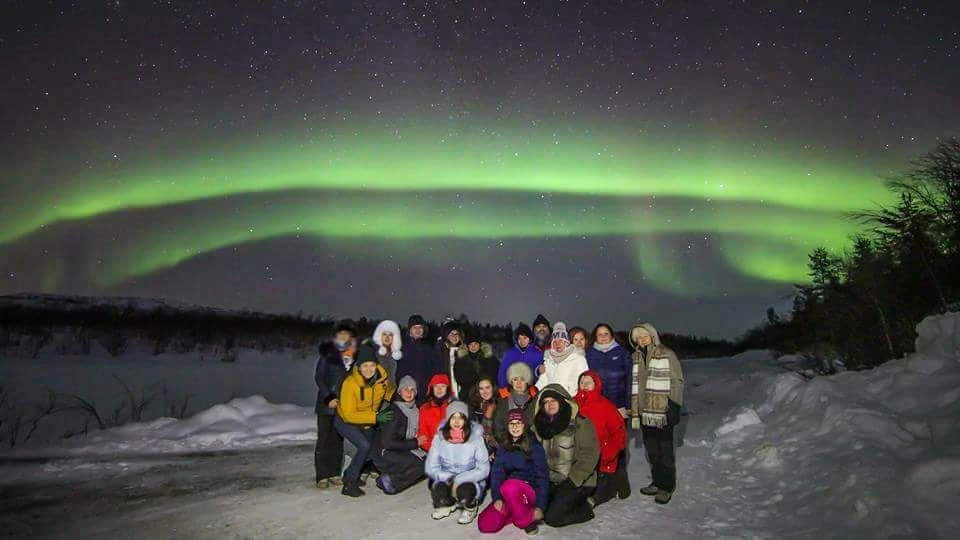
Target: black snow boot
[{"x": 352, "y": 489}]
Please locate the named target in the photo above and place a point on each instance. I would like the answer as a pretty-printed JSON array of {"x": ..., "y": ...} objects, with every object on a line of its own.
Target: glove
[{"x": 384, "y": 416}]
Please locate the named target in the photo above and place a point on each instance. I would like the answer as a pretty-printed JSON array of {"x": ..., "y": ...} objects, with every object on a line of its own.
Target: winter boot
[
  {"x": 443, "y": 511},
  {"x": 624, "y": 491},
  {"x": 663, "y": 497},
  {"x": 323, "y": 483},
  {"x": 532, "y": 529},
  {"x": 374, "y": 474},
  {"x": 363, "y": 479},
  {"x": 336, "y": 481},
  {"x": 351, "y": 489},
  {"x": 468, "y": 514},
  {"x": 650, "y": 490}
]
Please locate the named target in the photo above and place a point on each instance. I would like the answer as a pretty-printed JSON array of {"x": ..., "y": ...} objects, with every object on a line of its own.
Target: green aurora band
[{"x": 767, "y": 209}]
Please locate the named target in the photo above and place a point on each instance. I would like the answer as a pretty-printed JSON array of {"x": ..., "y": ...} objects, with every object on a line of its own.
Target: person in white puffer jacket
[{"x": 563, "y": 363}]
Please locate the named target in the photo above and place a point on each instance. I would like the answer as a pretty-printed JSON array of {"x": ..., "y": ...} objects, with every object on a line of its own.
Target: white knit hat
[{"x": 560, "y": 332}]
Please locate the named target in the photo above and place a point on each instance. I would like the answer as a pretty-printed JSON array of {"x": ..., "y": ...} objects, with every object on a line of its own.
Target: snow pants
[
  {"x": 402, "y": 469},
  {"x": 519, "y": 500},
  {"x": 568, "y": 505},
  {"x": 610, "y": 485},
  {"x": 328, "y": 454},
  {"x": 660, "y": 453},
  {"x": 443, "y": 495}
]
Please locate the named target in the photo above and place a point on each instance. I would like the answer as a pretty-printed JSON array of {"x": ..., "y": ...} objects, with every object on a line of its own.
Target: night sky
[{"x": 673, "y": 161}]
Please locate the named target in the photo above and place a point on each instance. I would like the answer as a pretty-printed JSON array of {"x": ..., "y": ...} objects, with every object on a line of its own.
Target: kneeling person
[
  {"x": 572, "y": 455},
  {"x": 397, "y": 452},
  {"x": 457, "y": 465}
]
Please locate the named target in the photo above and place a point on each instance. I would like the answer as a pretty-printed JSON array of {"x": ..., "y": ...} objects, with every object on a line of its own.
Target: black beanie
[
  {"x": 414, "y": 320},
  {"x": 523, "y": 330},
  {"x": 541, "y": 320},
  {"x": 347, "y": 325}
]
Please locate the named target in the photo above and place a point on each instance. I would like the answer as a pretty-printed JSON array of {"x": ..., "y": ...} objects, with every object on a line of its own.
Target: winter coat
[
  {"x": 329, "y": 375},
  {"x": 532, "y": 356},
  {"x": 607, "y": 421},
  {"x": 470, "y": 367},
  {"x": 656, "y": 349},
  {"x": 360, "y": 400},
  {"x": 420, "y": 362},
  {"x": 396, "y": 455},
  {"x": 484, "y": 415},
  {"x": 574, "y": 452},
  {"x": 432, "y": 414},
  {"x": 504, "y": 406},
  {"x": 443, "y": 358},
  {"x": 565, "y": 373},
  {"x": 466, "y": 462},
  {"x": 532, "y": 469},
  {"x": 368, "y": 351},
  {"x": 615, "y": 367}
]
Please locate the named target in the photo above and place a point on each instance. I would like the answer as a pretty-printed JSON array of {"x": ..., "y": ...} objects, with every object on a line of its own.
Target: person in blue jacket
[
  {"x": 613, "y": 364},
  {"x": 519, "y": 480},
  {"x": 523, "y": 350}
]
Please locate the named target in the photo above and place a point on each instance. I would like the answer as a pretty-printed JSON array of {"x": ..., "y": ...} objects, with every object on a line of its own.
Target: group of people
[{"x": 544, "y": 428}]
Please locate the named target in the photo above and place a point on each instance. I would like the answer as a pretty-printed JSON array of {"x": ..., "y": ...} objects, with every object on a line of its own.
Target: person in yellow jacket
[{"x": 363, "y": 393}]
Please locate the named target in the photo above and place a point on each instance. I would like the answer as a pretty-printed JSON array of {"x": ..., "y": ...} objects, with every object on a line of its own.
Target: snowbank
[
  {"x": 242, "y": 423},
  {"x": 864, "y": 450}
]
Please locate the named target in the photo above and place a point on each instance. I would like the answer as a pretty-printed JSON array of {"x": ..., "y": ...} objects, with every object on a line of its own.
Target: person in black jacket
[
  {"x": 336, "y": 359},
  {"x": 396, "y": 452},
  {"x": 420, "y": 360},
  {"x": 474, "y": 362}
]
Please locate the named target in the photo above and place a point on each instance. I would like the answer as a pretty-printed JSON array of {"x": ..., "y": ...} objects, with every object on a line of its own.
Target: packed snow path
[{"x": 739, "y": 475}]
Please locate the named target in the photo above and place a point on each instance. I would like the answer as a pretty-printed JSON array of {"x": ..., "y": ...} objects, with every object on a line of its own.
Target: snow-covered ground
[{"x": 765, "y": 453}]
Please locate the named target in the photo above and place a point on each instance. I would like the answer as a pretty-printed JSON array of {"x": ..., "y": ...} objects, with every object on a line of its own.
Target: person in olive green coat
[{"x": 572, "y": 456}]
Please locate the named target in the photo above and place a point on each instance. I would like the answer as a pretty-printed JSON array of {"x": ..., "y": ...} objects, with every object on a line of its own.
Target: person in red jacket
[
  {"x": 434, "y": 409},
  {"x": 611, "y": 434}
]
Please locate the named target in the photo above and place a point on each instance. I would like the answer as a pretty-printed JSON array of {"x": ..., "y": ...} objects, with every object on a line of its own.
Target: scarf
[
  {"x": 604, "y": 348},
  {"x": 556, "y": 357},
  {"x": 454, "y": 387},
  {"x": 348, "y": 350},
  {"x": 457, "y": 436},
  {"x": 412, "y": 413},
  {"x": 550, "y": 426},
  {"x": 656, "y": 394},
  {"x": 517, "y": 401}
]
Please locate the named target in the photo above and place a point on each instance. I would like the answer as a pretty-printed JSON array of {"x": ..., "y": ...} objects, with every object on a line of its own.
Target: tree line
[{"x": 862, "y": 305}]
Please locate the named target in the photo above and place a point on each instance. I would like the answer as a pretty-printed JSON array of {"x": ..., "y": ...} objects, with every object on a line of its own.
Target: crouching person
[
  {"x": 519, "y": 481},
  {"x": 570, "y": 442},
  {"x": 358, "y": 412},
  {"x": 457, "y": 465},
  {"x": 397, "y": 452}
]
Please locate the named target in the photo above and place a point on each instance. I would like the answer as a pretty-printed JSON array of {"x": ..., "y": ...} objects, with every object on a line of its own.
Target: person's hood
[
  {"x": 541, "y": 320},
  {"x": 584, "y": 395},
  {"x": 654, "y": 335},
  {"x": 486, "y": 351},
  {"x": 395, "y": 349},
  {"x": 438, "y": 378},
  {"x": 558, "y": 392}
]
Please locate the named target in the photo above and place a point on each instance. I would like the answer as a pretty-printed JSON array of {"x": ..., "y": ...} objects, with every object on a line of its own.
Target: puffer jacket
[
  {"x": 470, "y": 367},
  {"x": 606, "y": 419},
  {"x": 361, "y": 400},
  {"x": 615, "y": 367},
  {"x": 466, "y": 462},
  {"x": 329, "y": 375},
  {"x": 432, "y": 413},
  {"x": 532, "y": 469},
  {"x": 574, "y": 452},
  {"x": 565, "y": 373}
]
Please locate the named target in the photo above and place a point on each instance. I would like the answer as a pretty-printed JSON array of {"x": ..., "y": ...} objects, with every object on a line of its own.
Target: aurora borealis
[{"x": 379, "y": 158}]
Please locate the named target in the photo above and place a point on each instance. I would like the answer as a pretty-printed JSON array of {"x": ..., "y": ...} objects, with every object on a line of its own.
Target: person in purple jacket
[
  {"x": 519, "y": 480},
  {"x": 614, "y": 366},
  {"x": 523, "y": 350}
]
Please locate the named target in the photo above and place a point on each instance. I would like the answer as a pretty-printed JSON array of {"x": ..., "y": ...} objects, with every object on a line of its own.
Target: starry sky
[{"x": 672, "y": 161}]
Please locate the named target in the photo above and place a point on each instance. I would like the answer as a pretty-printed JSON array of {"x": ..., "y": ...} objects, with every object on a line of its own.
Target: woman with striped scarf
[{"x": 655, "y": 399}]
